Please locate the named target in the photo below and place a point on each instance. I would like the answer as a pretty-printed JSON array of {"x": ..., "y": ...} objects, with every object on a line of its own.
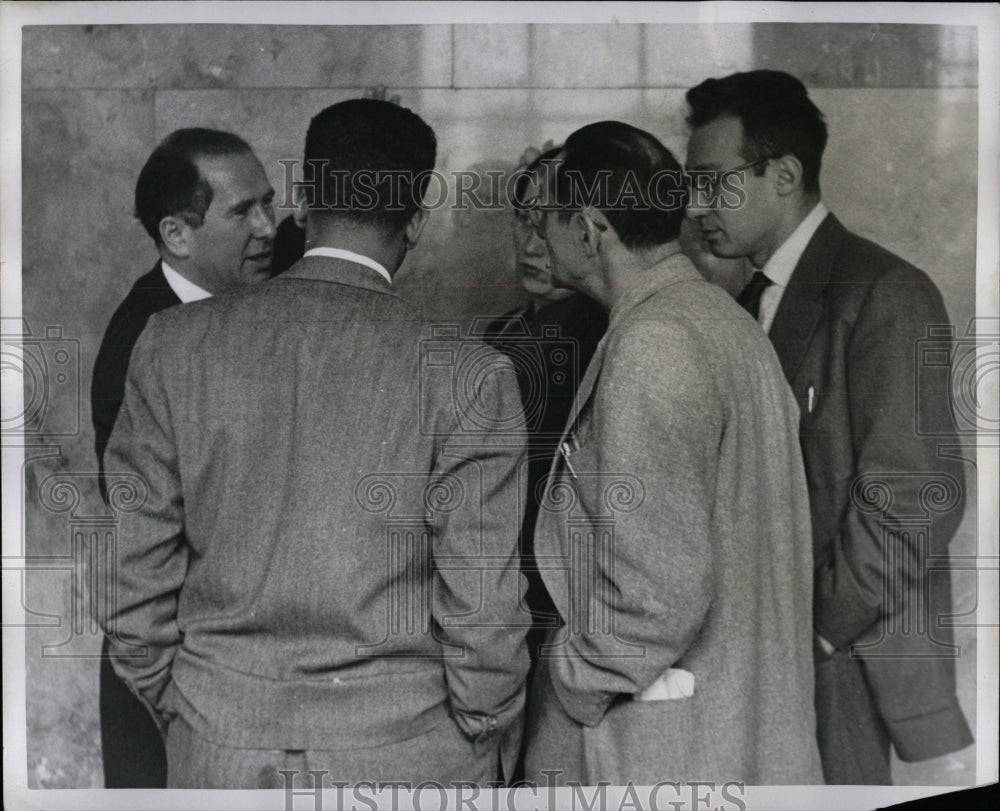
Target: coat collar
[
  {"x": 336, "y": 271},
  {"x": 672, "y": 270},
  {"x": 801, "y": 306}
]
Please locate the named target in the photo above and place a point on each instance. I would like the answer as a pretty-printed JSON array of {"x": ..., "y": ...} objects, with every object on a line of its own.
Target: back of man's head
[
  {"x": 777, "y": 115},
  {"x": 626, "y": 174},
  {"x": 171, "y": 185},
  {"x": 368, "y": 162}
]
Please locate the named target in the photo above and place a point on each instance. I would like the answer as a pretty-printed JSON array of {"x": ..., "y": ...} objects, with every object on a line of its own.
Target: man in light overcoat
[{"x": 674, "y": 533}]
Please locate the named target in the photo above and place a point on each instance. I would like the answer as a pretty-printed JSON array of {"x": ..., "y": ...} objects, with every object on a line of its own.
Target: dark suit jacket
[
  {"x": 289, "y": 245},
  {"x": 148, "y": 295},
  {"x": 882, "y": 499},
  {"x": 550, "y": 348},
  {"x": 325, "y": 558}
]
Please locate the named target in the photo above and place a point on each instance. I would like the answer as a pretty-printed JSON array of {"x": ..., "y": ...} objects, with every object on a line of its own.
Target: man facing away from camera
[
  {"x": 845, "y": 316},
  {"x": 205, "y": 200},
  {"x": 670, "y": 535},
  {"x": 324, "y": 567}
]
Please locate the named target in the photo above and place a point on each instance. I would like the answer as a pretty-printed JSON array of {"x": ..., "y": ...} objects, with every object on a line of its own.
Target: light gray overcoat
[{"x": 677, "y": 535}]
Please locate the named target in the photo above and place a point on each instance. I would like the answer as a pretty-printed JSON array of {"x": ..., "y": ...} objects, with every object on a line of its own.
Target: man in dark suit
[
  {"x": 205, "y": 200},
  {"x": 324, "y": 572},
  {"x": 668, "y": 536},
  {"x": 845, "y": 316}
]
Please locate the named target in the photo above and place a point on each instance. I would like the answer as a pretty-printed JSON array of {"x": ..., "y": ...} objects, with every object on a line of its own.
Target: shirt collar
[
  {"x": 350, "y": 256},
  {"x": 782, "y": 263},
  {"x": 186, "y": 290}
]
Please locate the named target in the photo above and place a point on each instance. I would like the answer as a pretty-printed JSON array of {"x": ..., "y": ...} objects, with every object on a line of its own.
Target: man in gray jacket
[
  {"x": 674, "y": 536},
  {"x": 323, "y": 572},
  {"x": 846, "y": 318}
]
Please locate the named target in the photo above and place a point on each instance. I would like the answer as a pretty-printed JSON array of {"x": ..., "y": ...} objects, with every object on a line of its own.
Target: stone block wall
[{"x": 901, "y": 103}]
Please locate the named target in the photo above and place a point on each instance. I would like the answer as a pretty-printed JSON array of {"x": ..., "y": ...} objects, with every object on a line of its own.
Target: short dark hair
[
  {"x": 777, "y": 115},
  {"x": 525, "y": 173},
  {"x": 171, "y": 185},
  {"x": 388, "y": 146},
  {"x": 605, "y": 163}
]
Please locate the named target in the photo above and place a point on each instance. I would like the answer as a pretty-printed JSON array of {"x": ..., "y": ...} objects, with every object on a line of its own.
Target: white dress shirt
[
  {"x": 185, "y": 290},
  {"x": 781, "y": 265},
  {"x": 350, "y": 256}
]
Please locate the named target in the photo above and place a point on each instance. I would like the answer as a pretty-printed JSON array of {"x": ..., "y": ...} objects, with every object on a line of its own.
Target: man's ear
[
  {"x": 590, "y": 227},
  {"x": 415, "y": 227},
  {"x": 176, "y": 236},
  {"x": 789, "y": 174},
  {"x": 300, "y": 208}
]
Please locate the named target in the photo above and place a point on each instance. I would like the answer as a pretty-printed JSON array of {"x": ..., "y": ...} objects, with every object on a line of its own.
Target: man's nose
[
  {"x": 535, "y": 245},
  {"x": 699, "y": 199},
  {"x": 696, "y": 209},
  {"x": 263, "y": 223}
]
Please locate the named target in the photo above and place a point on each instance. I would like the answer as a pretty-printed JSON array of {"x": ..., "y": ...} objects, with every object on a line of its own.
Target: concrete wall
[{"x": 901, "y": 104}]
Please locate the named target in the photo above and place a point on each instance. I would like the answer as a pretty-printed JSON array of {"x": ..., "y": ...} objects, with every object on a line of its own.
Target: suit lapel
[{"x": 802, "y": 304}]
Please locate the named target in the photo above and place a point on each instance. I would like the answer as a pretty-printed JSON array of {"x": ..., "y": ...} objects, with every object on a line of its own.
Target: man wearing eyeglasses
[
  {"x": 845, "y": 316},
  {"x": 669, "y": 533}
]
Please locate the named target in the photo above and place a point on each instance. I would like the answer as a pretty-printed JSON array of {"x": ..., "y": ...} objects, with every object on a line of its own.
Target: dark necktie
[{"x": 749, "y": 297}]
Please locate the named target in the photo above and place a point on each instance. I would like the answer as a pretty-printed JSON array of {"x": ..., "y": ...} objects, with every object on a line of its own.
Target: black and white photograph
[{"x": 499, "y": 405}]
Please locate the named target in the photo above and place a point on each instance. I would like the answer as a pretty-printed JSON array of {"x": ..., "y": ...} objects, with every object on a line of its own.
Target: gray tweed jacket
[{"x": 326, "y": 555}]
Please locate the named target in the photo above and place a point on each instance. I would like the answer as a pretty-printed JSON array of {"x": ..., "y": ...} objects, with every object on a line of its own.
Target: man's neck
[
  {"x": 627, "y": 270},
  {"x": 186, "y": 290},
  {"x": 187, "y": 269},
  {"x": 789, "y": 219},
  {"x": 364, "y": 241}
]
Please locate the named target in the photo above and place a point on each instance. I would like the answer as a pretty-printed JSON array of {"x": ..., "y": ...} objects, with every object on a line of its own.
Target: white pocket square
[{"x": 675, "y": 683}]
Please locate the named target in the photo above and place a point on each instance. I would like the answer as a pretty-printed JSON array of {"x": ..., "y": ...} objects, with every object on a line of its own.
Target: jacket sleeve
[
  {"x": 879, "y": 559},
  {"x": 474, "y": 498},
  {"x": 647, "y": 463},
  {"x": 150, "y": 563}
]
